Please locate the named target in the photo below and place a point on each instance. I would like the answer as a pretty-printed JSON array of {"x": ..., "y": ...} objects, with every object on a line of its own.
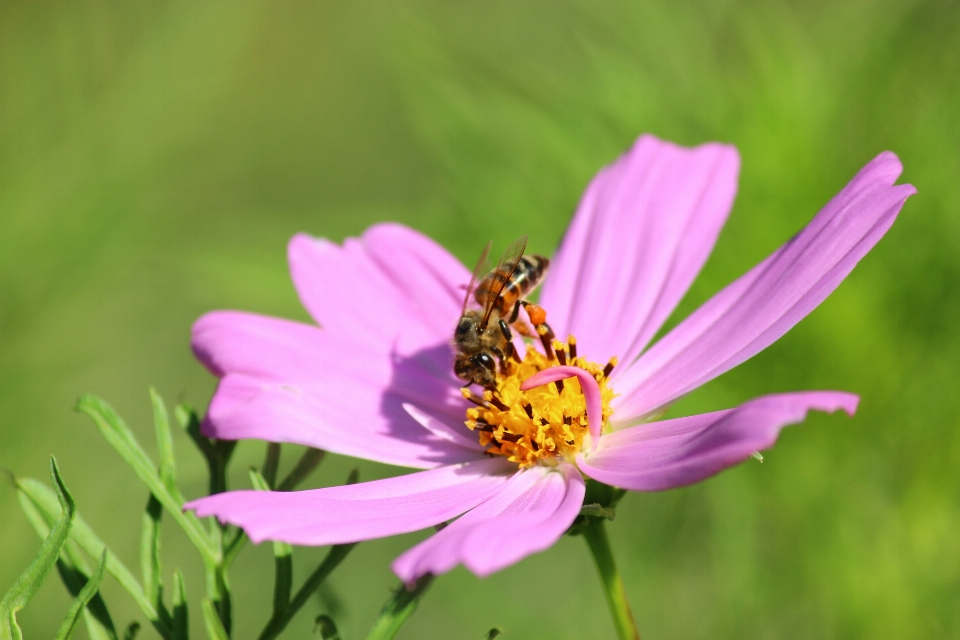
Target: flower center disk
[{"x": 544, "y": 424}]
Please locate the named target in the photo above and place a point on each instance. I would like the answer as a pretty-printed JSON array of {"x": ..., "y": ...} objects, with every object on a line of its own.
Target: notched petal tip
[{"x": 673, "y": 453}]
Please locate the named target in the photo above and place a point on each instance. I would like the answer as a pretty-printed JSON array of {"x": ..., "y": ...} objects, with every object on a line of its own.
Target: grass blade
[
  {"x": 80, "y": 602},
  {"x": 31, "y": 579}
]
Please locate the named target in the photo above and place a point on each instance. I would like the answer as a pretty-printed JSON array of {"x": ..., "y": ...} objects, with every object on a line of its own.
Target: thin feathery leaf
[
  {"x": 271, "y": 464},
  {"x": 181, "y": 616},
  {"x": 161, "y": 424},
  {"x": 122, "y": 440},
  {"x": 74, "y": 572},
  {"x": 304, "y": 467},
  {"x": 80, "y": 602},
  {"x": 398, "y": 609},
  {"x": 283, "y": 560},
  {"x": 211, "y": 618},
  {"x": 325, "y": 626},
  {"x": 31, "y": 579},
  {"x": 46, "y": 503},
  {"x": 150, "y": 568}
]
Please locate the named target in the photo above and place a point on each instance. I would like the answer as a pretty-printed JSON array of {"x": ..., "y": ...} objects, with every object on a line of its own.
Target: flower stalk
[{"x": 596, "y": 536}]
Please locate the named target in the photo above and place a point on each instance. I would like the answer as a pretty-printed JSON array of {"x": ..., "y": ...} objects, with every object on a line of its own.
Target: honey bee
[{"x": 483, "y": 337}]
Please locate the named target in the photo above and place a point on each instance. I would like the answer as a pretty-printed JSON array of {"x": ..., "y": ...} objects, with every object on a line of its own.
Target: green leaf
[
  {"x": 304, "y": 467},
  {"x": 46, "y": 503},
  {"x": 161, "y": 424},
  {"x": 150, "y": 568},
  {"x": 212, "y": 620},
  {"x": 122, "y": 440},
  {"x": 354, "y": 476},
  {"x": 181, "y": 618},
  {"x": 132, "y": 630},
  {"x": 190, "y": 422},
  {"x": 334, "y": 557},
  {"x": 598, "y": 511},
  {"x": 31, "y": 579},
  {"x": 326, "y": 627},
  {"x": 80, "y": 602},
  {"x": 398, "y": 609},
  {"x": 233, "y": 547},
  {"x": 271, "y": 464},
  {"x": 74, "y": 573},
  {"x": 283, "y": 561}
]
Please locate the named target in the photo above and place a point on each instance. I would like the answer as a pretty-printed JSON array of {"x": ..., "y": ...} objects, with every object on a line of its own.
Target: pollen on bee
[{"x": 536, "y": 313}]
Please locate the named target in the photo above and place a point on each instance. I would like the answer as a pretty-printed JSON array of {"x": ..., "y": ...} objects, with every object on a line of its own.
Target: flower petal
[
  {"x": 673, "y": 453},
  {"x": 643, "y": 230},
  {"x": 441, "y": 429},
  {"x": 754, "y": 311},
  {"x": 393, "y": 287},
  {"x": 349, "y": 419},
  {"x": 350, "y": 513},
  {"x": 291, "y": 382},
  {"x": 528, "y": 515},
  {"x": 249, "y": 343},
  {"x": 588, "y": 385}
]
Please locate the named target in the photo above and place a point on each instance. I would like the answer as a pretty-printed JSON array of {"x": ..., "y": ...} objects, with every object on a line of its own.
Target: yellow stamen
[{"x": 541, "y": 425}]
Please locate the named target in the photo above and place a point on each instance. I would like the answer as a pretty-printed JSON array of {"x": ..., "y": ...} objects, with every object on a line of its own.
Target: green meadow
[{"x": 155, "y": 157}]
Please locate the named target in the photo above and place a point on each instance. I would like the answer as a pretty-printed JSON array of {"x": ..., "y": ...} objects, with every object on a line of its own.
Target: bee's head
[{"x": 479, "y": 368}]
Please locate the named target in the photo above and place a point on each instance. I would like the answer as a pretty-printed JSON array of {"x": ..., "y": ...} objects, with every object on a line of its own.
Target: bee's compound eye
[{"x": 485, "y": 361}]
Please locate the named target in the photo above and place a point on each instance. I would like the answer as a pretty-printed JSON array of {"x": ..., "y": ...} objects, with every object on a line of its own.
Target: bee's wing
[
  {"x": 482, "y": 265},
  {"x": 502, "y": 274}
]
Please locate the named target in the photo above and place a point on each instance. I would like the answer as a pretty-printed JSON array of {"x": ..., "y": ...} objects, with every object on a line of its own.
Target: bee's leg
[
  {"x": 539, "y": 319},
  {"x": 519, "y": 324},
  {"x": 501, "y": 357},
  {"x": 536, "y": 313},
  {"x": 510, "y": 350},
  {"x": 474, "y": 398}
]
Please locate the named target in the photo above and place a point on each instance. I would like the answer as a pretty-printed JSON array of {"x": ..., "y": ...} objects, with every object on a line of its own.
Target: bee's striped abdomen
[{"x": 528, "y": 274}]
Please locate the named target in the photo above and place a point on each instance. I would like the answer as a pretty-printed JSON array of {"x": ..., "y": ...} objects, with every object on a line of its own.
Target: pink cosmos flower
[{"x": 374, "y": 380}]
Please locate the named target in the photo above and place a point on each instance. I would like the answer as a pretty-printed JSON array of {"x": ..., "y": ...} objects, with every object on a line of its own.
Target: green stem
[
  {"x": 398, "y": 608},
  {"x": 280, "y": 620},
  {"x": 596, "y": 537}
]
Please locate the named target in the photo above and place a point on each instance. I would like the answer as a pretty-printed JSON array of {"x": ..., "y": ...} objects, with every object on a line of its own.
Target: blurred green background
[{"x": 156, "y": 156}]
